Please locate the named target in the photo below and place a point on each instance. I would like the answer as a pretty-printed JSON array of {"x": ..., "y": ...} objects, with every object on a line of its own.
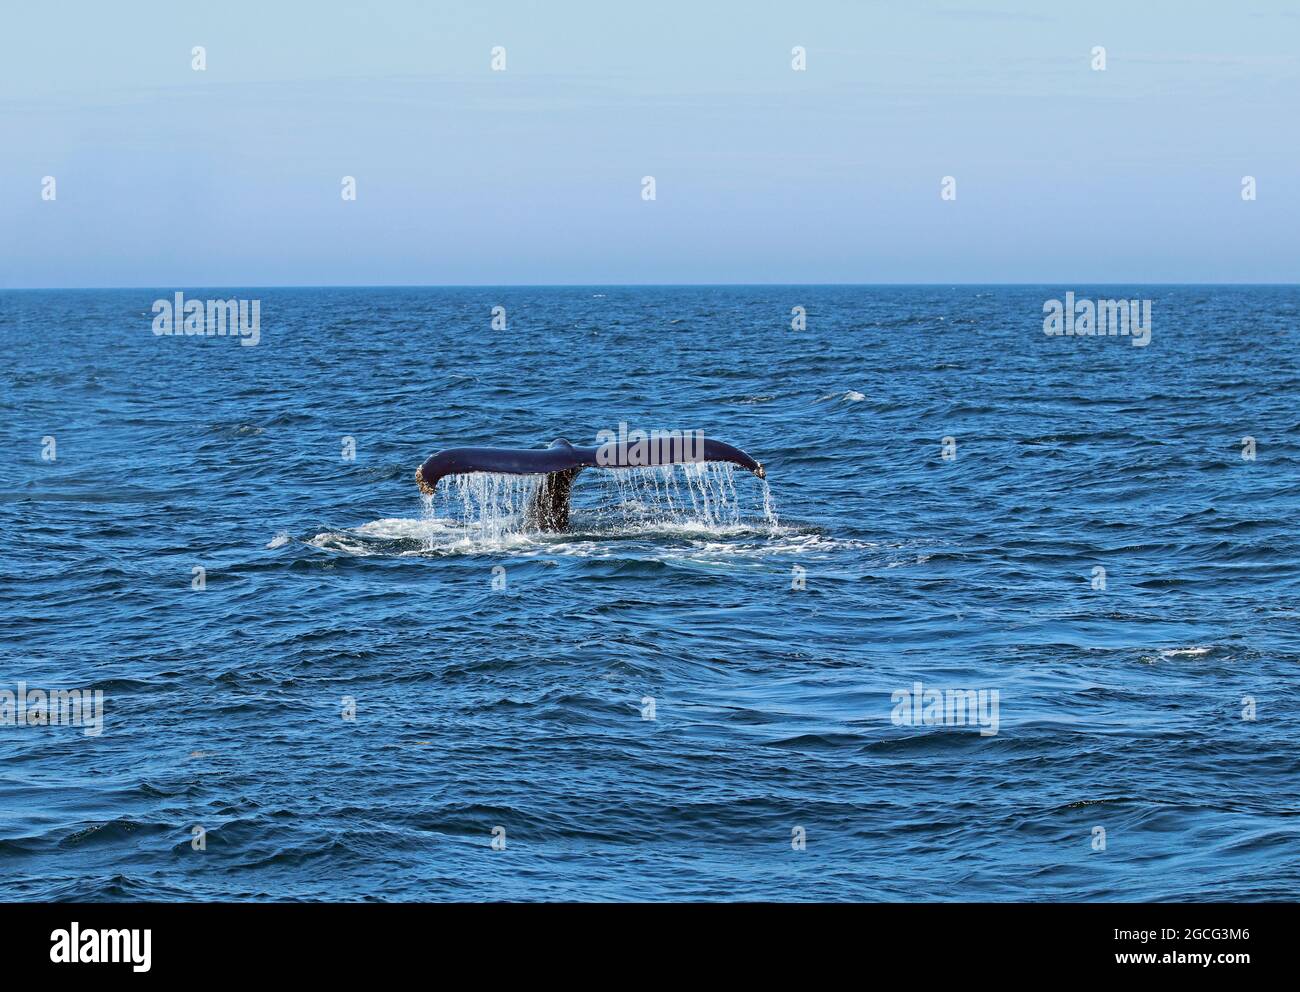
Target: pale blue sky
[{"x": 170, "y": 177}]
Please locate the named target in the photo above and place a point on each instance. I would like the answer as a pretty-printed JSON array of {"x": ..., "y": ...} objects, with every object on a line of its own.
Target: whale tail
[{"x": 561, "y": 462}]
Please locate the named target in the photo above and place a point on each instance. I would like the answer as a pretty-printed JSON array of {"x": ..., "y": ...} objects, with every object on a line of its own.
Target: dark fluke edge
[{"x": 561, "y": 462}]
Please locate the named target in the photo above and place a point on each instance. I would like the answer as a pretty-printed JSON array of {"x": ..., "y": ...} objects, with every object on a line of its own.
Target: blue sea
[{"x": 319, "y": 685}]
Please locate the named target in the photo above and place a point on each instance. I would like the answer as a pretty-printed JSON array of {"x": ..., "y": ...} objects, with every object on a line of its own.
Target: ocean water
[{"x": 648, "y": 707}]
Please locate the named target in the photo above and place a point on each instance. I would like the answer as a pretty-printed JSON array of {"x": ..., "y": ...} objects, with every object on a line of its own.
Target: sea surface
[{"x": 694, "y": 694}]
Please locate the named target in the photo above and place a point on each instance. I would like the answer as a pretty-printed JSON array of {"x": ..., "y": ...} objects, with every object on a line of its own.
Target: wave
[{"x": 848, "y": 396}]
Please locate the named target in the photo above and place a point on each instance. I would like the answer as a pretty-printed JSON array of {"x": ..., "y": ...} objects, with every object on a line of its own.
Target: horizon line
[{"x": 628, "y": 285}]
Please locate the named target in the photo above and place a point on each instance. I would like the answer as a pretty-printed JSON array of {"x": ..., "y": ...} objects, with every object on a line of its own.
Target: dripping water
[{"x": 490, "y": 506}]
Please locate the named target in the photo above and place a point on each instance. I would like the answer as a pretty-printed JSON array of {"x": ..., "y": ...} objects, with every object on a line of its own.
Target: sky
[{"x": 232, "y": 176}]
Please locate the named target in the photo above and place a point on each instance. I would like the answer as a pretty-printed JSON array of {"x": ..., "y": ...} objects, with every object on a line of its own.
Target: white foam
[
  {"x": 849, "y": 396},
  {"x": 589, "y": 536}
]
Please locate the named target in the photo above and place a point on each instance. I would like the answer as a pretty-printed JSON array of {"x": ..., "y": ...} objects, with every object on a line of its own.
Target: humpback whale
[{"x": 561, "y": 462}]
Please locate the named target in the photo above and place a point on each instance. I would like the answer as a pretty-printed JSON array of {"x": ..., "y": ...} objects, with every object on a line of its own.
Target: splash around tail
[{"x": 561, "y": 462}]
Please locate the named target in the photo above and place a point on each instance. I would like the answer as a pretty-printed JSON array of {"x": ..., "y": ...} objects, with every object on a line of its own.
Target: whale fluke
[{"x": 561, "y": 462}]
